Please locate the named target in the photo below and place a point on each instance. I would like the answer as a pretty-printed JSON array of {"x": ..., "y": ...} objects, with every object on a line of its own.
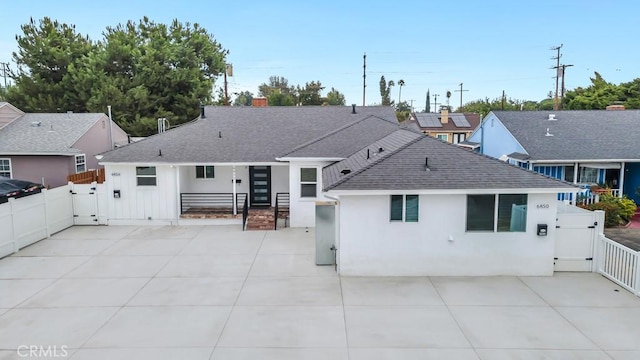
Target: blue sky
[{"x": 490, "y": 46}]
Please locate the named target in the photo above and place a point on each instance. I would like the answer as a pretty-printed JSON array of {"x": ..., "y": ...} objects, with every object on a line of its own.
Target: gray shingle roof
[
  {"x": 577, "y": 135},
  {"x": 347, "y": 139},
  {"x": 56, "y": 133},
  {"x": 450, "y": 168},
  {"x": 248, "y": 134}
]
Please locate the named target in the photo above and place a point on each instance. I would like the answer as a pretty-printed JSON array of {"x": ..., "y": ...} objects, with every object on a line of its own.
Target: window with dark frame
[
  {"x": 205, "y": 172},
  {"x": 146, "y": 176},
  {"x": 510, "y": 213},
  {"x": 308, "y": 182},
  {"x": 568, "y": 173},
  {"x": 404, "y": 208}
]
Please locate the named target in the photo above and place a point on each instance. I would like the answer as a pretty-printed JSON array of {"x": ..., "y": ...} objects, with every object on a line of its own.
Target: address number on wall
[{"x": 542, "y": 206}]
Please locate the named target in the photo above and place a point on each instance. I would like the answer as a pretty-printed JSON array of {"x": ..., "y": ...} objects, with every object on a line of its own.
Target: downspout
[
  {"x": 110, "y": 128},
  {"x": 178, "y": 200},
  {"x": 233, "y": 180}
]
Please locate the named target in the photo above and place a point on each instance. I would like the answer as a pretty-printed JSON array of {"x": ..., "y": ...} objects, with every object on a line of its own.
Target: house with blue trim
[{"x": 585, "y": 147}]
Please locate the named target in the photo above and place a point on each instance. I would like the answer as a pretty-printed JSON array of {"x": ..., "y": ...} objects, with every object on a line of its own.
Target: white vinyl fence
[
  {"x": 32, "y": 218},
  {"x": 619, "y": 263}
]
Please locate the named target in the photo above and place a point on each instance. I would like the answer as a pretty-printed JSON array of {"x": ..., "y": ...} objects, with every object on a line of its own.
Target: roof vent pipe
[
  {"x": 368, "y": 154},
  {"x": 552, "y": 117},
  {"x": 202, "y": 116},
  {"x": 220, "y": 134},
  {"x": 353, "y": 108},
  {"x": 426, "y": 164}
]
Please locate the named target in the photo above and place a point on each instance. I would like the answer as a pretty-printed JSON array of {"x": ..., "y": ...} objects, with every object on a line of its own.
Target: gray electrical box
[{"x": 325, "y": 232}]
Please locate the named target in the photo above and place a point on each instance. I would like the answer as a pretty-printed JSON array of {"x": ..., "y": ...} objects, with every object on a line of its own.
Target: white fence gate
[
  {"x": 576, "y": 235},
  {"x": 88, "y": 201}
]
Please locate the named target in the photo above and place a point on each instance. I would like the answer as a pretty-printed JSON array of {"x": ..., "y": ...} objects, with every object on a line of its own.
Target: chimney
[
  {"x": 202, "y": 115},
  {"x": 353, "y": 108},
  {"x": 259, "y": 102},
  {"x": 444, "y": 115}
]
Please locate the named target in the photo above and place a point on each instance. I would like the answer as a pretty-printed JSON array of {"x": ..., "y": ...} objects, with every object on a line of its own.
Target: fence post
[
  {"x": 598, "y": 251},
  {"x": 636, "y": 287}
]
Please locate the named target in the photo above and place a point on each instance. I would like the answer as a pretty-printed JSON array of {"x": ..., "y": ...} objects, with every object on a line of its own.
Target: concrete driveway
[{"x": 204, "y": 292}]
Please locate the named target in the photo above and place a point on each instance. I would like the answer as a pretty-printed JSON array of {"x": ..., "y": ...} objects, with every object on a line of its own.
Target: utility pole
[
  {"x": 411, "y": 104},
  {"x": 557, "y": 67},
  {"x": 427, "y": 107},
  {"x": 460, "y": 91},
  {"x": 226, "y": 94},
  {"x": 5, "y": 70},
  {"x": 564, "y": 67},
  {"x": 435, "y": 102},
  {"x": 364, "y": 78}
]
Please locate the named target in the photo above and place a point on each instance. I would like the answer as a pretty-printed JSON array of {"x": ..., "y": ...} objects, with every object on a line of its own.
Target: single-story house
[
  {"x": 448, "y": 126},
  {"x": 584, "y": 147},
  {"x": 46, "y": 147}
]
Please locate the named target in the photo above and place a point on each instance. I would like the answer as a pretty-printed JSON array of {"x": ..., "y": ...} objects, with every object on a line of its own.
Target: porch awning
[{"x": 601, "y": 165}]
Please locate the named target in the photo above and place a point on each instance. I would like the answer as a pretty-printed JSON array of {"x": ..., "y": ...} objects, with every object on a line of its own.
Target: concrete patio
[{"x": 214, "y": 292}]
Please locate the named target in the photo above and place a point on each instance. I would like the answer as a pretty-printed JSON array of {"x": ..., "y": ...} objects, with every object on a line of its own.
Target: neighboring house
[
  {"x": 45, "y": 148},
  {"x": 423, "y": 207},
  {"x": 450, "y": 127},
  {"x": 582, "y": 147}
]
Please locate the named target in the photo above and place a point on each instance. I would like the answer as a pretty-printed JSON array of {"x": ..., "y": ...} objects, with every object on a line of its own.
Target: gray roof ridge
[
  {"x": 377, "y": 160},
  {"x": 329, "y": 134}
]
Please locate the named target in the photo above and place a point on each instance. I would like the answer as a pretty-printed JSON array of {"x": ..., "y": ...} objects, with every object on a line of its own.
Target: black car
[{"x": 17, "y": 188}]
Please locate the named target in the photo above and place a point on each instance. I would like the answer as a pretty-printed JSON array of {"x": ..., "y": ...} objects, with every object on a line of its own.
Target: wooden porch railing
[{"x": 87, "y": 177}]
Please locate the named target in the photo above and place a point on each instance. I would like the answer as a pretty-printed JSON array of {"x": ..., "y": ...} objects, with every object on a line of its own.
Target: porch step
[{"x": 260, "y": 219}]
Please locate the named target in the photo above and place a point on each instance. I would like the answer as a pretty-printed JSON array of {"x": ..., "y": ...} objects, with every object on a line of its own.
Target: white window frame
[
  {"x": 443, "y": 137},
  {"x": 309, "y": 183},
  {"x": 205, "y": 177},
  {"x": 83, "y": 163},
  {"x": 582, "y": 174},
  {"x": 10, "y": 167},
  {"x": 155, "y": 176},
  {"x": 459, "y": 137}
]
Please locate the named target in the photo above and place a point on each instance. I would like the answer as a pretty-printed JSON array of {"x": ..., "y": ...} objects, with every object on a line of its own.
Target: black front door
[{"x": 260, "y": 186}]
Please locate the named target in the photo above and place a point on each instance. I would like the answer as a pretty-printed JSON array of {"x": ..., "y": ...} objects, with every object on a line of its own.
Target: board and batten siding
[
  {"x": 438, "y": 244},
  {"x": 141, "y": 204}
]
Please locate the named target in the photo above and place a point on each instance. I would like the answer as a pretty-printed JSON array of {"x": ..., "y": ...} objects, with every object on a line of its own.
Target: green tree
[
  {"x": 278, "y": 92},
  {"x": 144, "y": 70},
  {"x": 49, "y": 56},
  {"x": 311, "y": 94},
  {"x": 243, "y": 98},
  {"x": 152, "y": 70},
  {"x": 335, "y": 97},
  {"x": 385, "y": 91},
  {"x": 601, "y": 93}
]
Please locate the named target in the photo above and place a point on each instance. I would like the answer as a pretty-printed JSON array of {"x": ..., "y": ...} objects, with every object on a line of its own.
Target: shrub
[{"x": 617, "y": 210}]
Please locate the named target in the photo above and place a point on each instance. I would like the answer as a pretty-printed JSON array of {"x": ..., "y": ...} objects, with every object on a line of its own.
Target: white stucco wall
[
  {"x": 303, "y": 210},
  {"x": 141, "y": 204},
  {"x": 369, "y": 244},
  {"x": 221, "y": 183}
]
